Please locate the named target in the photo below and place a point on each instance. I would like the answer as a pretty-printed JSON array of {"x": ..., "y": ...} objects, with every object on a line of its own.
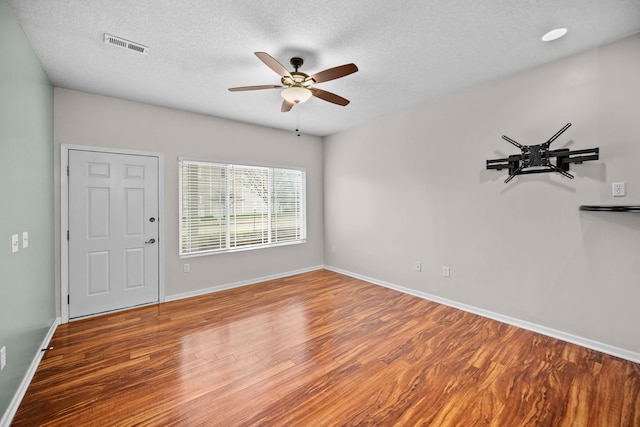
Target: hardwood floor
[{"x": 321, "y": 349}]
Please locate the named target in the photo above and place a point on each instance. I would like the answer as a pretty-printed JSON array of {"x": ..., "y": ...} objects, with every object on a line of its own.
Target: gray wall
[
  {"x": 412, "y": 187},
  {"x": 92, "y": 120},
  {"x": 26, "y": 204}
]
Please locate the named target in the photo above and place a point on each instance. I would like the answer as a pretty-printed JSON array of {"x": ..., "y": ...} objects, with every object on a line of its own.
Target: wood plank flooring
[{"x": 321, "y": 349}]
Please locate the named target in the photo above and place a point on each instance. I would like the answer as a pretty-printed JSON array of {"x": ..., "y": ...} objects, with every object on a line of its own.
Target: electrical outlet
[
  {"x": 619, "y": 189},
  {"x": 3, "y": 357},
  {"x": 446, "y": 272},
  {"x": 186, "y": 268},
  {"x": 15, "y": 243},
  {"x": 418, "y": 266}
]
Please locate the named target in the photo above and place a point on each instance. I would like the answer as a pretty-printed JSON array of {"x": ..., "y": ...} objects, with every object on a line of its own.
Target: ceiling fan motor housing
[{"x": 297, "y": 79}]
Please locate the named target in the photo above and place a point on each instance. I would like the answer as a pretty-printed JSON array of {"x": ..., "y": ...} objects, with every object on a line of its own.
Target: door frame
[{"x": 64, "y": 218}]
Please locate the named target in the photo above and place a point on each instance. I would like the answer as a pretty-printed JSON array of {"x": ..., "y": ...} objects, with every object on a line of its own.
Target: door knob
[
  {"x": 152, "y": 219},
  {"x": 150, "y": 241}
]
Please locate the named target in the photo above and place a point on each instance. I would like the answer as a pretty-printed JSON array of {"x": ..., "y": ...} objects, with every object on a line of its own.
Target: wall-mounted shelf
[{"x": 611, "y": 208}]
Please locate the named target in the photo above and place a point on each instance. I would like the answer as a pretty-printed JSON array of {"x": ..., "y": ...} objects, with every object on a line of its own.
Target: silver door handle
[{"x": 150, "y": 241}]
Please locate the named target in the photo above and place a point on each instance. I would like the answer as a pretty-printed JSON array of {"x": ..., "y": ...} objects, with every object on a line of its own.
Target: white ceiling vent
[{"x": 125, "y": 44}]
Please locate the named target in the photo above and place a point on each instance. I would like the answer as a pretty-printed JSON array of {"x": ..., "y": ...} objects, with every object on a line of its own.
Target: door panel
[
  {"x": 99, "y": 199},
  {"x": 113, "y": 231},
  {"x": 134, "y": 266},
  {"x": 98, "y": 266},
  {"x": 134, "y": 209}
]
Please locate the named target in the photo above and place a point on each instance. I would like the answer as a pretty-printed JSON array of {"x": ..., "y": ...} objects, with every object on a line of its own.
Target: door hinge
[
  {"x": 67, "y": 170},
  {"x": 67, "y": 235},
  {"x": 68, "y": 300}
]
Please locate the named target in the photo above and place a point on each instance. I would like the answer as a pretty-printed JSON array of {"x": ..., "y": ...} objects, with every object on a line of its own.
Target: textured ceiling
[{"x": 408, "y": 52}]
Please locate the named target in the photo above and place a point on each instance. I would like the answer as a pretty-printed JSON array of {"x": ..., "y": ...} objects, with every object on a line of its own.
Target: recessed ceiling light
[{"x": 554, "y": 34}]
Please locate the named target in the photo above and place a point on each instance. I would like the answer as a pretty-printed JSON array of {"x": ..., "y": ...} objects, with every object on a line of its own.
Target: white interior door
[{"x": 113, "y": 231}]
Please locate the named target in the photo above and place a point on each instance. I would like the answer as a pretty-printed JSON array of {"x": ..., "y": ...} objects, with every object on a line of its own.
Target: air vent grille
[{"x": 125, "y": 44}]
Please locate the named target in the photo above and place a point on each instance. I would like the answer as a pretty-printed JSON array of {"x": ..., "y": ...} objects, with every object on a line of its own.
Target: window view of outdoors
[{"x": 224, "y": 207}]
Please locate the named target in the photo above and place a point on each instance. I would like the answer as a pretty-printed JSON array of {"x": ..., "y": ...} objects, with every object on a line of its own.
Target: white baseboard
[
  {"x": 553, "y": 333},
  {"x": 24, "y": 385},
  {"x": 238, "y": 284}
]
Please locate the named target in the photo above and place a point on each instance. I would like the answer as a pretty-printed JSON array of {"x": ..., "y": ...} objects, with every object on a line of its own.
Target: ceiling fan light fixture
[
  {"x": 554, "y": 34},
  {"x": 296, "y": 94}
]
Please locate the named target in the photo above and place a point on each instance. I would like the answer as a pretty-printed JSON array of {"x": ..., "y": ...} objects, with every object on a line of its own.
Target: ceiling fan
[{"x": 297, "y": 87}]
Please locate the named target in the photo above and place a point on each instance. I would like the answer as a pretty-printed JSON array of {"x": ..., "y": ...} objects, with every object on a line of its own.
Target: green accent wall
[{"x": 27, "y": 294}]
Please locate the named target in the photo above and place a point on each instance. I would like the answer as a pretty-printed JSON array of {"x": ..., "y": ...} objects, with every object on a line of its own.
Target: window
[{"x": 225, "y": 207}]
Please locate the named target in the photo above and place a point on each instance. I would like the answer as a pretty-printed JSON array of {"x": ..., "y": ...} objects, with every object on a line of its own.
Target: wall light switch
[
  {"x": 15, "y": 243},
  {"x": 25, "y": 239}
]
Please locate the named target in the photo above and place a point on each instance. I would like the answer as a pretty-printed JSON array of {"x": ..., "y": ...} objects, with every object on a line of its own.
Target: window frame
[{"x": 300, "y": 213}]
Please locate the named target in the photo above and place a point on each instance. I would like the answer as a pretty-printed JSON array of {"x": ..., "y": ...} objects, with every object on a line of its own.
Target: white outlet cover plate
[
  {"x": 619, "y": 189},
  {"x": 3, "y": 357},
  {"x": 15, "y": 243}
]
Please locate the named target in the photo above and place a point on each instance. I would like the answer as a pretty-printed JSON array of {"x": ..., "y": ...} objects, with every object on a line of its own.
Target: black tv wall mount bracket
[{"x": 537, "y": 158}]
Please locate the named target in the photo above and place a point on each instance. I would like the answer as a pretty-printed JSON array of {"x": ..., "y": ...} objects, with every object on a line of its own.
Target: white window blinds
[{"x": 226, "y": 207}]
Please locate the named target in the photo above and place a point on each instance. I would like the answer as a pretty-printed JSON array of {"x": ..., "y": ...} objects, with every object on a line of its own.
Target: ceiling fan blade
[
  {"x": 238, "y": 89},
  {"x": 334, "y": 73},
  {"x": 273, "y": 64},
  {"x": 286, "y": 106},
  {"x": 329, "y": 97}
]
